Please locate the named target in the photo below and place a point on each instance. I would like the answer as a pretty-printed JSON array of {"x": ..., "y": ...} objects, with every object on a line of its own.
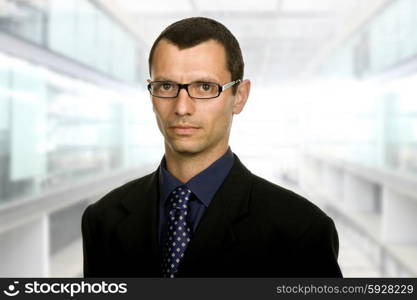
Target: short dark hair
[{"x": 190, "y": 32}]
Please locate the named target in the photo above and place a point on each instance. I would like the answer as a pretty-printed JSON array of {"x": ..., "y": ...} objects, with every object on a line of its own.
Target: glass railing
[
  {"x": 77, "y": 29},
  {"x": 56, "y": 130}
]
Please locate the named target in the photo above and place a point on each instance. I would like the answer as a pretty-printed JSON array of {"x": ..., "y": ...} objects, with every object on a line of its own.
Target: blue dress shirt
[{"x": 204, "y": 186}]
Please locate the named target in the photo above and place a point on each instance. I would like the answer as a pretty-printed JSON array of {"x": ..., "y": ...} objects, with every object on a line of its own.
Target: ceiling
[{"x": 279, "y": 38}]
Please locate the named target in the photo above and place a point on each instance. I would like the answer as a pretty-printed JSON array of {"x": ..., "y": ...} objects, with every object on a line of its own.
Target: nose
[{"x": 184, "y": 105}]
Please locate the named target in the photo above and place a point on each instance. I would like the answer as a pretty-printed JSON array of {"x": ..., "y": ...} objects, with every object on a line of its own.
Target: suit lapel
[
  {"x": 215, "y": 231},
  {"x": 138, "y": 231}
]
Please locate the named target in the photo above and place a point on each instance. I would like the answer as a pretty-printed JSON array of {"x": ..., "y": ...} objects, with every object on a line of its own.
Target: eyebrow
[
  {"x": 206, "y": 79},
  {"x": 162, "y": 79},
  {"x": 200, "y": 79}
]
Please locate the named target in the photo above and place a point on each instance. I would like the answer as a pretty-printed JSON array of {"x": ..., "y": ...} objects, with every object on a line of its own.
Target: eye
[
  {"x": 166, "y": 86},
  {"x": 205, "y": 86}
]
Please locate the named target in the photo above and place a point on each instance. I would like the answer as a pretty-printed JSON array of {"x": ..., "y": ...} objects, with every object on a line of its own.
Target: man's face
[{"x": 192, "y": 126}]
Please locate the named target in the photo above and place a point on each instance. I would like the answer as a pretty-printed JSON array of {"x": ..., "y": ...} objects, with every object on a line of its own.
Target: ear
[{"x": 241, "y": 96}]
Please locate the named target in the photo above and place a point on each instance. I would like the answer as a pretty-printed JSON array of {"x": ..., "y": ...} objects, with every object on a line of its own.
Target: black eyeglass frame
[{"x": 185, "y": 86}]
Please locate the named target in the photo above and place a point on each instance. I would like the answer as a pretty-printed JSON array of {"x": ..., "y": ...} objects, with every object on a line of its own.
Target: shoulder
[
  {"x": 111, "y": 203},
  {"x": 287, "y": 211}
]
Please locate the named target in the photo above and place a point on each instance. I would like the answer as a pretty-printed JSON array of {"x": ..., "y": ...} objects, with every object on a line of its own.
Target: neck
[{"x": 185, "y": 166}]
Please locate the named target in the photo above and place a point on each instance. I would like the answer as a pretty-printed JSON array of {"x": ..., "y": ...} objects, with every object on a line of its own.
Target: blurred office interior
[{"x": 332, "y": 116}]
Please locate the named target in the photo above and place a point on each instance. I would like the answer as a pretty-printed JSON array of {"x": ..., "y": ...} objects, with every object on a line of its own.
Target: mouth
[{"x": 184, "y": 129}]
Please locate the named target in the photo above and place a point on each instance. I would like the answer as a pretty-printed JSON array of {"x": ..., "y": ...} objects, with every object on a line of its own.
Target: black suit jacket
[{"x": 252, "y": 228}]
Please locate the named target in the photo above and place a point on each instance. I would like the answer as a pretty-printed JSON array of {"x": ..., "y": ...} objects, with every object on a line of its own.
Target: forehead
[{"x": 207, "y": 59}]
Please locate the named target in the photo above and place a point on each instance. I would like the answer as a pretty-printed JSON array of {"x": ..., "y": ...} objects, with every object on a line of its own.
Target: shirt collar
[{"x": 204, "y": 185}]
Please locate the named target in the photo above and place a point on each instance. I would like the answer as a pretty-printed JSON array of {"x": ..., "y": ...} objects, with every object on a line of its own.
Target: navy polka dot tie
[{"x": 179, "y": 232}]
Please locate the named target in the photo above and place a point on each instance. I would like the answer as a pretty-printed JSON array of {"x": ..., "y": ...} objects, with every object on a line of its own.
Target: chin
[{"x": 187, "y": 147}]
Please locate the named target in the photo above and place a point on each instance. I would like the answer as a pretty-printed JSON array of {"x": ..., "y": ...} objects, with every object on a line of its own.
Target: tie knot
[{"x": 180, "y": 197}]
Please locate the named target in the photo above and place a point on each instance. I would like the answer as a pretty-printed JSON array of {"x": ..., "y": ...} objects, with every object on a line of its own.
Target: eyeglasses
[{"x": 197, "y": 90}]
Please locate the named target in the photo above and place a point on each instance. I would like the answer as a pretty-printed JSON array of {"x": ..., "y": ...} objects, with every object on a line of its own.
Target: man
[{"x": 202, "y": 213}]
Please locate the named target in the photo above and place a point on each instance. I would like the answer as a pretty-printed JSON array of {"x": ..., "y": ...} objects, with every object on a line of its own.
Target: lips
[{"x": 184, "y": 129}]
